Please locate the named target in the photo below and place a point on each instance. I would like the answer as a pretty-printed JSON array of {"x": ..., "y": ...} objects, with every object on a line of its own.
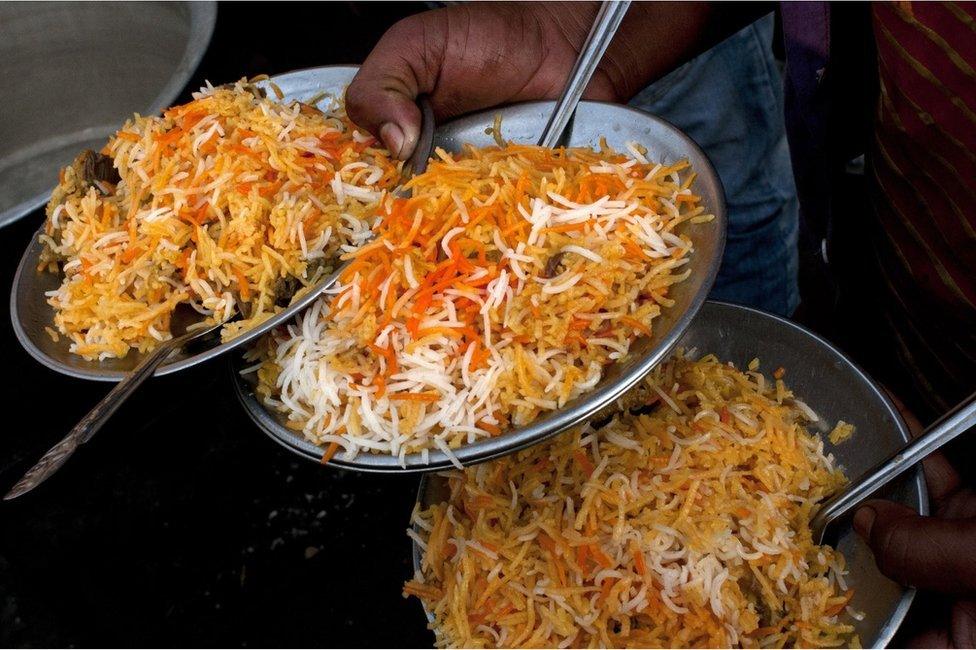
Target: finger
[
  {"x": 941, "y": 478},
  {"x": 381, "y": 97},
  {"x": 963, "y": 621},
  {"x": 924, "y": 552},
  {"x": 927, "y": 623},
  {"x": 914, "y": 426},
  {"x": 952, "y": 625},
  {"x": 932, "y": 638}
]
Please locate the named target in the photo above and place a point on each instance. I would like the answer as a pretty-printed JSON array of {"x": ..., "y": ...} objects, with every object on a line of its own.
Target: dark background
[{"x": 181, "y": 524}]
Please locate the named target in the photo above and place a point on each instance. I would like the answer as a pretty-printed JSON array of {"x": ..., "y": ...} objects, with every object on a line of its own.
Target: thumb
[
  {"x": 385, "y": 107},
  {"x": 381, "y": 98},
  {"x": 925, "y": 552}
]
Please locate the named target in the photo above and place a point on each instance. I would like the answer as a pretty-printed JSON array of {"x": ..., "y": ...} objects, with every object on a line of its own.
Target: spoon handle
[
  {"x": 91, "y": 423},
  {"x": 605, "y": 25},
  {"x": 954, "y": 423},
  {"x": 417, "y": 164}
]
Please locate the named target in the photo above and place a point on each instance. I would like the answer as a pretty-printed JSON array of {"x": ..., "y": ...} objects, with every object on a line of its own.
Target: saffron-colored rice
[
  {"x": 684, "y": 524},
  {"x": 499, "y": 291},
  {"x": 230, "y": 203}
]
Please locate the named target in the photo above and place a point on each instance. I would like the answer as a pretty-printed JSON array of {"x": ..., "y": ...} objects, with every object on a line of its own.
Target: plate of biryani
[
  {"x": 232, "y": 203},
  {"x": 681, "y": 517},
  {"x": 516, "y": 292}
]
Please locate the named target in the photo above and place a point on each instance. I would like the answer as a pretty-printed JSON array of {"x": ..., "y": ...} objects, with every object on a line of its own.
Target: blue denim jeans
[{"x": 730, "y": 101}]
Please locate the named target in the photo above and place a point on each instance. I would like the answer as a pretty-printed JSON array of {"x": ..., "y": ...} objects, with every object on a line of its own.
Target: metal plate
[
  {"x": 31, "y": 313},
  {"x": 836, "y": 389},
  {"x": 72, "y": 72},
  {"x": 523, "y": 123}
]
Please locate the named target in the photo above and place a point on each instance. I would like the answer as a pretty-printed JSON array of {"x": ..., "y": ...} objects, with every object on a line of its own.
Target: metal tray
[
  {"x": 522, "y": 123},
  {"x": 835, "y": 389},
  {"x": 72, "y": 72}
]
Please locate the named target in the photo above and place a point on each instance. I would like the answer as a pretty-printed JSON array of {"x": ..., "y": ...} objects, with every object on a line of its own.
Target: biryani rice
[
  {"x": 685, "y": 524},
  {"x": 229, "y": 203},
  {"x": 497, "y": 292}
]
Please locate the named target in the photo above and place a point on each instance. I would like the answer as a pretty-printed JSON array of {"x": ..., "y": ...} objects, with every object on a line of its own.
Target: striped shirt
[
  {"x": 907, "y": 263},
  {"x": 922, "y": 172}
]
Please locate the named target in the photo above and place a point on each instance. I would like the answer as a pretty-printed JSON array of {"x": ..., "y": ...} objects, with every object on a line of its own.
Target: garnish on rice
[
  {"x": 682, "y": 524},
  {"x": 499, "y": 291},
  {"x": 230, "y": 203}
]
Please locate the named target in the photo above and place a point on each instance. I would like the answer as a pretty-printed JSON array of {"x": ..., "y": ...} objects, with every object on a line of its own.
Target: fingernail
[
  {"x": 864, "y": 520},
  {"x": 392, "y": 136}
]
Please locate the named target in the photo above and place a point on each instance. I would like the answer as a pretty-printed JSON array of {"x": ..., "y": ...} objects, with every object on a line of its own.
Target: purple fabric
[{"x": 806, "y": 39}]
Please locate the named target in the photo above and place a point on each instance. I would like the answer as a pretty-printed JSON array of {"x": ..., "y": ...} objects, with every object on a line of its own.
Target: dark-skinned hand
[
  {"x": 936, "y": 554},
  {"x": 482, "y": 54}
]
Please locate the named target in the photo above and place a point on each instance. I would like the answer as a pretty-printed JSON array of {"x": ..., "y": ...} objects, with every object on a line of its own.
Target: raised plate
[{"x": 523, "y": 123}]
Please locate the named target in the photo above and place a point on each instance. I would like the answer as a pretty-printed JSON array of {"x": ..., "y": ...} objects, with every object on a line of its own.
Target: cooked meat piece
[
  {"x": 243, "y": 307},
  {"x": 285, "y": 288},
  {"x": 553, "y": 265},
  {"x": 308, "y": 109},
  {"x": 89, "y": 169},
  {"x": 95, "y": 167},
  {"x": 313, "y": 266}
]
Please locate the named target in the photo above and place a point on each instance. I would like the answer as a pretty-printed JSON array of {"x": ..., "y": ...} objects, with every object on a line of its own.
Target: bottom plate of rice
[{"x": 682, "y": 517}]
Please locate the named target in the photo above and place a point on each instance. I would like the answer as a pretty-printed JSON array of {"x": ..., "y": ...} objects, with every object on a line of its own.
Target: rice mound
[
  {"x": 498, "y": 292},
  {"x": 683, "y": 524},
  {"x": 230, "y": 203}
]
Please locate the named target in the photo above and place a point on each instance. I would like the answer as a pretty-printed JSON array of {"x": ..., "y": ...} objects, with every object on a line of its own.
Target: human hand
[
  {"x": 467, "y": 57},
  {"x": 482, "y": 54},
  {"x": 936, "y": 554}
]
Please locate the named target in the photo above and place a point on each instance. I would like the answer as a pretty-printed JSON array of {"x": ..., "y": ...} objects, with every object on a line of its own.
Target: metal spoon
[
  {"x": 954, "y": 423},
  {"x": 417, "y": 162},
  {"x": 605, "y": 25},
  {"x": 183, "y": 318},
  {"x": 181, "y": 322}
]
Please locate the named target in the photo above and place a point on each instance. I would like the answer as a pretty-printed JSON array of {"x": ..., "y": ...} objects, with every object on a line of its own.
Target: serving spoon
[
  {"x": 186, "y": 326},
  {"x": 605, "y": 25},
  {"x": 953, "y": 424}
]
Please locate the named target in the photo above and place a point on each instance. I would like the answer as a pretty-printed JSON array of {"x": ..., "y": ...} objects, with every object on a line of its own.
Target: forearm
[{"x": 657, "y": 37}]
